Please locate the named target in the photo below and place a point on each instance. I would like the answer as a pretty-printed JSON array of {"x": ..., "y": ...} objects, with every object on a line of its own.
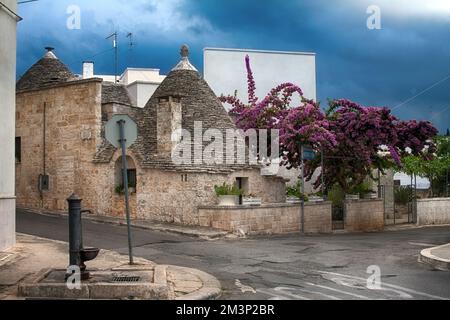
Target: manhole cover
[{"x": 126, "y": 279}]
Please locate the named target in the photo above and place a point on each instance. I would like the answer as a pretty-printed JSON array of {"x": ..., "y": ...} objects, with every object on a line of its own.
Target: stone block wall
[
  {"x": 73, "y": 126},
  {"x": 433, "y": 211},
  {"x": 318, "y": 217},
  {"x": 364, "y": 215},
  {"x": 174, "y": 197},
  {"x": 267, "y": 219}
]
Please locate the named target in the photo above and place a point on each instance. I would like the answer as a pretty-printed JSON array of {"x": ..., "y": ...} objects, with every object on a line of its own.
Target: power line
[
  {"x": 441, "y": 112},
  {"x": 422, "y": 92}
]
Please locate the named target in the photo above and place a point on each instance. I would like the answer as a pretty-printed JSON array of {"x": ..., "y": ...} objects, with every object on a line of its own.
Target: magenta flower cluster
[{"x": 349, "y": 134}]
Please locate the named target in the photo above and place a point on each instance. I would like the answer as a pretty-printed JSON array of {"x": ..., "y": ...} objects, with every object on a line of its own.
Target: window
[
  {"x": 131, "y": 174},
  {"x": 18, "y": 149}
]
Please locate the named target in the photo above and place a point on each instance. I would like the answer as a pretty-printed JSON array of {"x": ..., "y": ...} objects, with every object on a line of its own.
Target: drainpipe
[{"x": 44, "y": 148}]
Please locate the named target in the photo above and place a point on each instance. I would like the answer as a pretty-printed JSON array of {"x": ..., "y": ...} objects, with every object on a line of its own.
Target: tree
[
  {"x": 434, "y": 167},
  {"x": 355, "y": 139},
  {"x": 303, "y": 124}
]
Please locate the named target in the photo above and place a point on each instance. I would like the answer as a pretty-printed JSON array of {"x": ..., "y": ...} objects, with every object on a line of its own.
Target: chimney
[
  {"x": 169, "y": 120},
  {"x": 88, "y": 69}
]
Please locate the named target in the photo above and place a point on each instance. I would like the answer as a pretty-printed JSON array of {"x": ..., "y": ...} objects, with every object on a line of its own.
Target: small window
[
  {"x": 18, "y": 149},
  {"x": 131, "y": 173}
]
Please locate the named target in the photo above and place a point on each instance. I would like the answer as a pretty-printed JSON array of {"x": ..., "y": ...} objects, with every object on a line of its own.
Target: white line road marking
[
  {"x": 390, "y": 286},
  {"x": 307, "y": 291},
  {"x": 340, "y": 291},
  {"x": 360, "y": 284},
  {"x": 281, "y": 295},
  {"x": 418, "y": 244},
  {"x": 244, "y": 288}
]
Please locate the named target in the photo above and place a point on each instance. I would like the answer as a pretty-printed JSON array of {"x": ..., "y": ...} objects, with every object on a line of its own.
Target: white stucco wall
[
  {"x": 434, "y": 211},
  {"x": 141, "y": 92},
  {"x": 225, "y": 72},
  {"x": 8, "y": 24}
]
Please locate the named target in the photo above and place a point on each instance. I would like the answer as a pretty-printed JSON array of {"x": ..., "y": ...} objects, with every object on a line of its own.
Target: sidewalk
[
  {"x": 437, "y": 257},
  {"x": 27, "y": 260}
]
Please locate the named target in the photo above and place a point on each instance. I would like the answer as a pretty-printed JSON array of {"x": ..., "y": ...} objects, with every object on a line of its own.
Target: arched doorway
[
  {"x": 118, "y": 205},
  {"x": 131, "y": 174}
]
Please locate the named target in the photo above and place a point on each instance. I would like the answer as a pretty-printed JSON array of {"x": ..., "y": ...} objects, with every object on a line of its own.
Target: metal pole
[
  {"x": 302, "y": 190},
  {"x": 410, "y": 214},
  {"x": 121, "y": 124},
  {"x": 415, "y": 200},
  {"x": 446, "y": 188},
  {"x": 116, "y": 57},
  {"x": 323, "y": 174}
]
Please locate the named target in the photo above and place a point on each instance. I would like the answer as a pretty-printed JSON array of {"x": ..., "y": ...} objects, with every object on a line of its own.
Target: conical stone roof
[{"x": 47, "y": 71}]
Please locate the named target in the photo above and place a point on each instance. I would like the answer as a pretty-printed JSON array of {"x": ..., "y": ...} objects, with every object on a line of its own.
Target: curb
[
  {"x": 208, "y": 235},
  {"x": 211, "y": 289},
  {"x": 436, "y": 262}
]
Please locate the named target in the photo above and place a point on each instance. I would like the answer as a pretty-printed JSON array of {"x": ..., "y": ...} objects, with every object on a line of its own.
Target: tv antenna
[{"x": 116, "y": 54}]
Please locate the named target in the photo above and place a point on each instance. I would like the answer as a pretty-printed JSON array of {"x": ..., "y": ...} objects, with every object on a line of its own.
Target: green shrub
[
  {"x": 402, "y": 195},
  {"x": 228, "y": 190},
  {"x": 336, "y": 195},
  {"x": 362, "y": 189},
  {"x": 296, "y": 191}
]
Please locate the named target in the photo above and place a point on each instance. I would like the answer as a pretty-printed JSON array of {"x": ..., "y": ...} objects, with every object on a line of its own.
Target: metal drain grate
[{"x": 126, "y": 279}]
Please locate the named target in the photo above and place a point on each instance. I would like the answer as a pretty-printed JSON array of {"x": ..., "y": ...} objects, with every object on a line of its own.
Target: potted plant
[
  {"x": 317, "y": 197},
  {"x": 359, "y": 191},
  {"x": 228, "y": 195},
  {"x": 294, "y": 194},
  {"x": 120, "y": 190},
  {"x": 251, "y": 200}
]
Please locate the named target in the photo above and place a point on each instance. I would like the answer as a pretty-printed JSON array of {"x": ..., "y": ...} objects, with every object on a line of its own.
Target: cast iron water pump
[{"x": 78, "y": 255}]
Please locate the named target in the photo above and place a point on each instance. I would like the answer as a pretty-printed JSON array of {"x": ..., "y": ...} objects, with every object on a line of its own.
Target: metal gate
[{"x": 405, "y": 206}]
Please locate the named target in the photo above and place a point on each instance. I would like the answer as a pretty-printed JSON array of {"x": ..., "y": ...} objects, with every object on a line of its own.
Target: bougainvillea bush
[{"x": 355, "y": 139}]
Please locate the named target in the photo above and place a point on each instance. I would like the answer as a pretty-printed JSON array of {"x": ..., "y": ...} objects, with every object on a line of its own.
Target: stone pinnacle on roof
[
  {"x": 184, "y": 64},
  {"x": 50, "y": 54}
]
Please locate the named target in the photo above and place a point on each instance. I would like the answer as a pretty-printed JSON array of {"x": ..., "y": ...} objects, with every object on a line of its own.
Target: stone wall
[
  {"x": 72, "y": 114},
  {"x": 267, "y": 219},
  {"x": 168, "y": 196},
  {"x": 364, "y": 215},
  {"x": 433, "y": 211}
]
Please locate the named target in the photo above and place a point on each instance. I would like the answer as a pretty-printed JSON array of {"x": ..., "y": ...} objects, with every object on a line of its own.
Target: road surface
[{"x": 332, "y": 267}]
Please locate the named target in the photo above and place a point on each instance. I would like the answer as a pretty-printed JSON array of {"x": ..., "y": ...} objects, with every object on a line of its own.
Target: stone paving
[{"x": 22, "y": 269}]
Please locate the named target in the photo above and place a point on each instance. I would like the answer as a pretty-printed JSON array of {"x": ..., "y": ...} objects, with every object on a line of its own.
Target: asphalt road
[{"x": 289, "y": 267}]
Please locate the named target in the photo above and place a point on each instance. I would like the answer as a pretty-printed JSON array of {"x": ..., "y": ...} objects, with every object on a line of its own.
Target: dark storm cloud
[{"x": 374, "y": 67}]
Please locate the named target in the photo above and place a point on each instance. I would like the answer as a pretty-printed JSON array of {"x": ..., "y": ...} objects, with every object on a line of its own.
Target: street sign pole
[
  {"x": 303, "y": 189},
  {"x": 123, "y": 141},
  {"x": 322, "y": 155}
]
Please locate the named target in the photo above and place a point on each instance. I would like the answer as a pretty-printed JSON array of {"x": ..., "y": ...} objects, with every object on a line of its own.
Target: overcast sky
[{"x": 408, "y": 57}]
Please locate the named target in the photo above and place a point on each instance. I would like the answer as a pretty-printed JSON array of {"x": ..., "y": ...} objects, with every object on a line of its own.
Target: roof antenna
[
  {"x": 116, "y": 57},
  {"x": 130, "y": 47}
]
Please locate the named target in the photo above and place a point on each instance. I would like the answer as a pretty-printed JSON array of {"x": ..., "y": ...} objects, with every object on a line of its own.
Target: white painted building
[
  {"x": 405, "y": 181},
  {"x": 8, "y": 23},
  {"x": 140, "y": 82},
  {"x": 225, "y": 71}
]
